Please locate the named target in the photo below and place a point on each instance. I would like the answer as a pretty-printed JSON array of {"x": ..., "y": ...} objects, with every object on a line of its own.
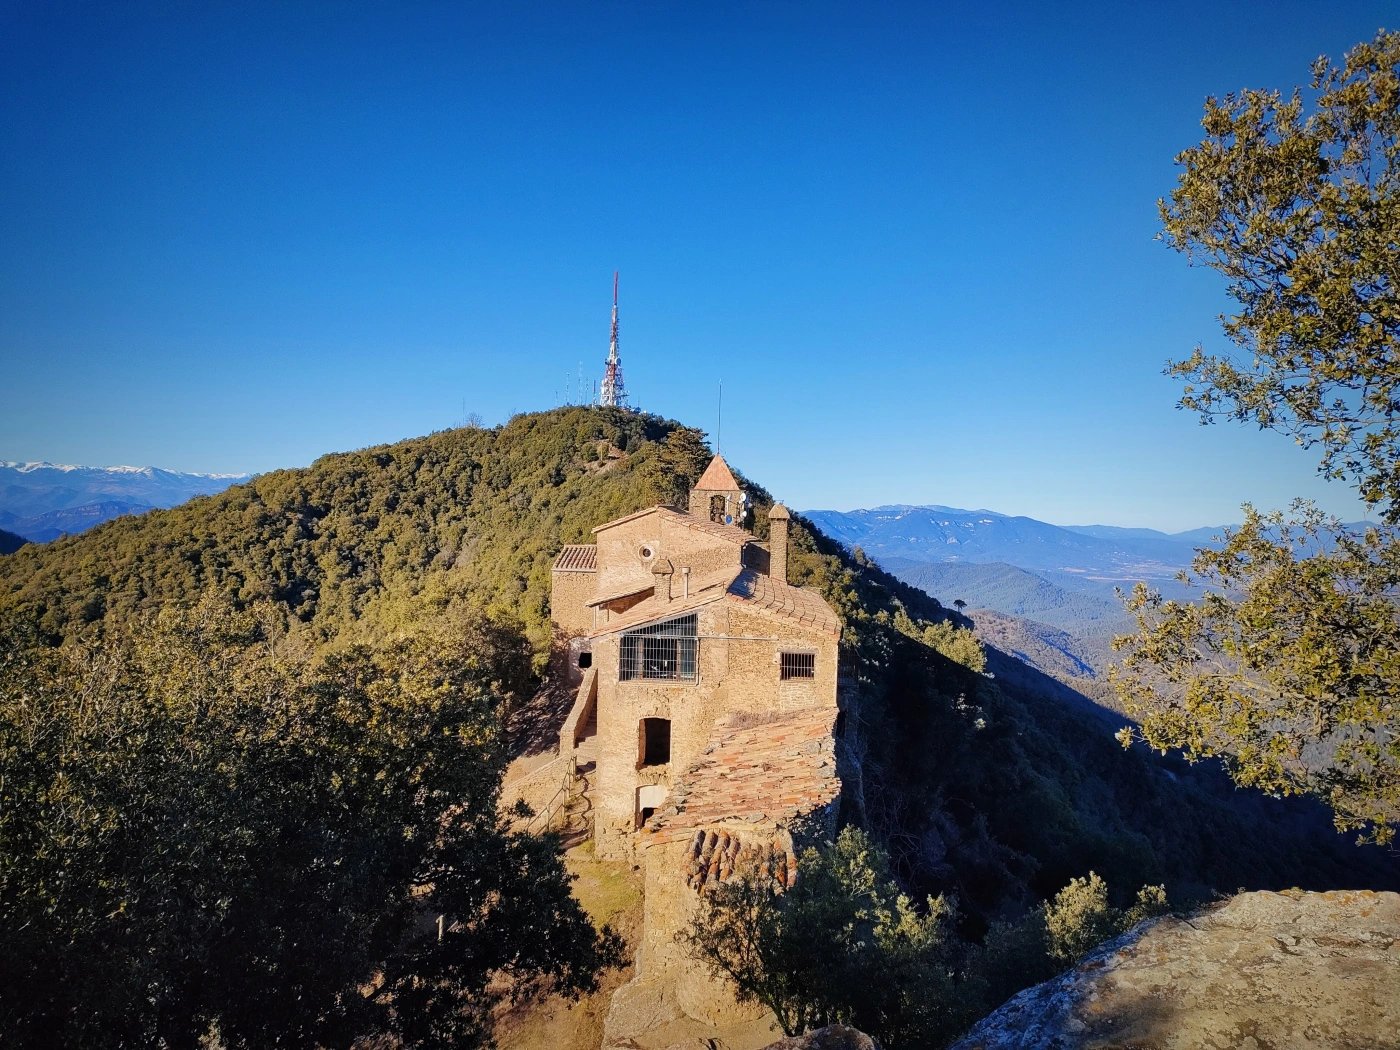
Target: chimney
[
  {"x": 661, "y": 572},
  {"x": 778, "y": 518}
]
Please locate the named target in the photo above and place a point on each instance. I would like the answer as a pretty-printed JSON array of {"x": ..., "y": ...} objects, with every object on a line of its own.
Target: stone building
[{"x": 707, "y": 704}]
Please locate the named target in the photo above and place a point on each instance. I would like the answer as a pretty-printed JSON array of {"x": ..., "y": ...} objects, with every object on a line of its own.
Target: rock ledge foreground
[{"x": 1264, "y": 970}]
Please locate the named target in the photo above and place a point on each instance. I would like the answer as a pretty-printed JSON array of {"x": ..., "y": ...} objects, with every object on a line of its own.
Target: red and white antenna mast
[{"x": 613, "y": 391}]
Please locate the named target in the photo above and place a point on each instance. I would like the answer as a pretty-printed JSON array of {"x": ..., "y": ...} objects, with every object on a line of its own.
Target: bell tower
[{"x": 717, "y": 496}]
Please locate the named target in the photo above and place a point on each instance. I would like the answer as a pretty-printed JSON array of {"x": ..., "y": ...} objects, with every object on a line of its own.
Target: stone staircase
[{"x": 577, "y": 815}]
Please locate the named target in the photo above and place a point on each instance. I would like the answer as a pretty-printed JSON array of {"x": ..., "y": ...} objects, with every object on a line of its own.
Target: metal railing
[{"x": 559, "y": 801}]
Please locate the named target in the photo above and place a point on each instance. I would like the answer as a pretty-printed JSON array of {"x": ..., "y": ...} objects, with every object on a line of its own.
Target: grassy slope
[{"x": 999, "y": 788}]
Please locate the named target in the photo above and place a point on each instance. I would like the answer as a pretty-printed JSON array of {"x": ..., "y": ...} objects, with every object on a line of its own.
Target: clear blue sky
[{"x": 915, "y": 241}]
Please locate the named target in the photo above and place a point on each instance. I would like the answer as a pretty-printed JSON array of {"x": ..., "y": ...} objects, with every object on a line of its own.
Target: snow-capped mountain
[{"x": 41, "y": 501}]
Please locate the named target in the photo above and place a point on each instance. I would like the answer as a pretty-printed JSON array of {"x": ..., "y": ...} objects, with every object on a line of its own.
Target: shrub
[
  {"x": 203, "y": 830},
  {"x": 841, "y": 946}
]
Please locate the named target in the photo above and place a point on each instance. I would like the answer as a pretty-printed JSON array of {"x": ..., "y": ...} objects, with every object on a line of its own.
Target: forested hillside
[
  {"x": 372, "y": 535},
  {"x": 998, "y": 787},
  {"x": 1001, "y": 787}
]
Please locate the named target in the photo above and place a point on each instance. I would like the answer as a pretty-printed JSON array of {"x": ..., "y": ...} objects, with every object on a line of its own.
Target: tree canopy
[
  {"x": 1287, "y": 667},
  {"x": 206, "y": 831},
  {"x": 1301, "y": 213}
]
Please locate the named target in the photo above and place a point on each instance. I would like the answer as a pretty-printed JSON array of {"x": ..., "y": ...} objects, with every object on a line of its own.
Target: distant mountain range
[
  {"x": 42, "y": 501},
  {"x": 1045, "y": 593},
  {"x": 945, "y": 534}
]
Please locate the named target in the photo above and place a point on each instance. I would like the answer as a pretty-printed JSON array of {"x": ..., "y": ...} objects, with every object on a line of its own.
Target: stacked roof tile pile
[{"x": 716, "y": 856}]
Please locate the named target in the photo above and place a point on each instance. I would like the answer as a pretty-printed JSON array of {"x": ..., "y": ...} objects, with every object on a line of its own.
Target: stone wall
[
  {"x": 738, "y": 671},
  {"x": 567, "y": 594}
]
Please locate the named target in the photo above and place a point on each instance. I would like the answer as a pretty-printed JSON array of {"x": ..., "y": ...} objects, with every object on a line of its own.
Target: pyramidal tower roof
[{"x": 717, "y": 476}]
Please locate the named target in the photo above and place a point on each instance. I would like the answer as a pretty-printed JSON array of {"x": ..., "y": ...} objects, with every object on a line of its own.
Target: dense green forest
[
  {"x": 982, "y": 778},
  {"x": 372, "y": 537}
]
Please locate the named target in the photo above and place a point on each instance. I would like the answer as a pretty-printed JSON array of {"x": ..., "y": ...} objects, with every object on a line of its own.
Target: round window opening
[{"x": 646, "y": 552}]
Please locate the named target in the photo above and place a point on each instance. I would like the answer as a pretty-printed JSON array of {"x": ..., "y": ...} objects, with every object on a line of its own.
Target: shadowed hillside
[{"x": 9, "y": 542}]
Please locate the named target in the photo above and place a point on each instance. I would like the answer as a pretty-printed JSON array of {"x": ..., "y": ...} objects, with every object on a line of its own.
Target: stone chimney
[
  {"x": 661, "y": 572},
  {"x": 778, "y": 518}
]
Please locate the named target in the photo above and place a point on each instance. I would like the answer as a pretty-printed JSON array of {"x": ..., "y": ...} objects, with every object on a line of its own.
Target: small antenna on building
[{"x": 719, "y": 428}]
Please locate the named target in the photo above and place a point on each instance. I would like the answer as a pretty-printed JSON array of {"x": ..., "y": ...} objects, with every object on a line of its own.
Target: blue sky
[{"x": 914, "y": 241}]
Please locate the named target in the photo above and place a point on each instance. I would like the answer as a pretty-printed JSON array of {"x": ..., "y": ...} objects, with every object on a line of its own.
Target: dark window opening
[
  {"x": 663, "y": 650},
  {"x": 799, "y": 665},
  {"x": 647, "y": 811},
  {"x": 656, "y": 742},
  {"x": 585, "y": 659},
  {"x": 717, "y": 509}
]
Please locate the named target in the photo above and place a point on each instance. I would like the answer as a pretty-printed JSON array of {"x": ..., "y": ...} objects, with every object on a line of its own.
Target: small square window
[
  {"x": 585, "y": 659},
  {"x": 798, "y": 665}
]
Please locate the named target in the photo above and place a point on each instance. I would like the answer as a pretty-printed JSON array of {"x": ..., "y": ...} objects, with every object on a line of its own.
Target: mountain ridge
[
  {"x": 42, "y": 501},
  {"x": 936, "y": 533}
]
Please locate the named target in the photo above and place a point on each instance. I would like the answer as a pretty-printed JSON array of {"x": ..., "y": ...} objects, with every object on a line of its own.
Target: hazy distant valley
[{"x": 1044, "y": 593}]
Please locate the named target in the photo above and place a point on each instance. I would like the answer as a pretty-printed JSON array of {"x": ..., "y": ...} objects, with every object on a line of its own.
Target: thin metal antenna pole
[{"x": 719, "y": 429}]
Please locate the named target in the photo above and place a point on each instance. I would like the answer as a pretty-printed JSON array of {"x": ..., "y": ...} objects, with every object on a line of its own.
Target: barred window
[
  {"x": 798, "y": 665},
  {"x": 660, "y": 650}
]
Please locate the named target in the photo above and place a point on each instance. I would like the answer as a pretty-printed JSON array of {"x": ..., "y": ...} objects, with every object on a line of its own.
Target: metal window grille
[
  {"x": 798, "y": 665},
  {"x": 660, "y": 650}
]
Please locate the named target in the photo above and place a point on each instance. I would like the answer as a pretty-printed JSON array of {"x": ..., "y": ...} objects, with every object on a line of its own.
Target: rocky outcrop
[{"x": 1264, "y": 970}]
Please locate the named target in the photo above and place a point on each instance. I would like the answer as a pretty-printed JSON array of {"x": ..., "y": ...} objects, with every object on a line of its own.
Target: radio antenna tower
[{"x": 613, "y": 391}]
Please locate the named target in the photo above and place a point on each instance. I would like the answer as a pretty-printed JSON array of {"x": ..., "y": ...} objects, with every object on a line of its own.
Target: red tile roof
[
  {"x": 717, "y": 476},
  {"x": 577, "y": 557},
  {"x": 764, "y": 592},
  {"x": 710, "y": 528},
  {"x": 755, "y": 776}
]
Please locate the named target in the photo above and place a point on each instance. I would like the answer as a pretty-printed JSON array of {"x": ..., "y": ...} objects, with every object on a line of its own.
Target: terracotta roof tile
[
  {"x": 759, "y": 775},
  {"x": 804, "y": 606},
  {"x": 710, "y": 528},
  {"x": 717, "y": 476},
  {"x": 577, "y": 557},
  {"x": 703, "y": 590},
  {"x": 752, "y": 588}
]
